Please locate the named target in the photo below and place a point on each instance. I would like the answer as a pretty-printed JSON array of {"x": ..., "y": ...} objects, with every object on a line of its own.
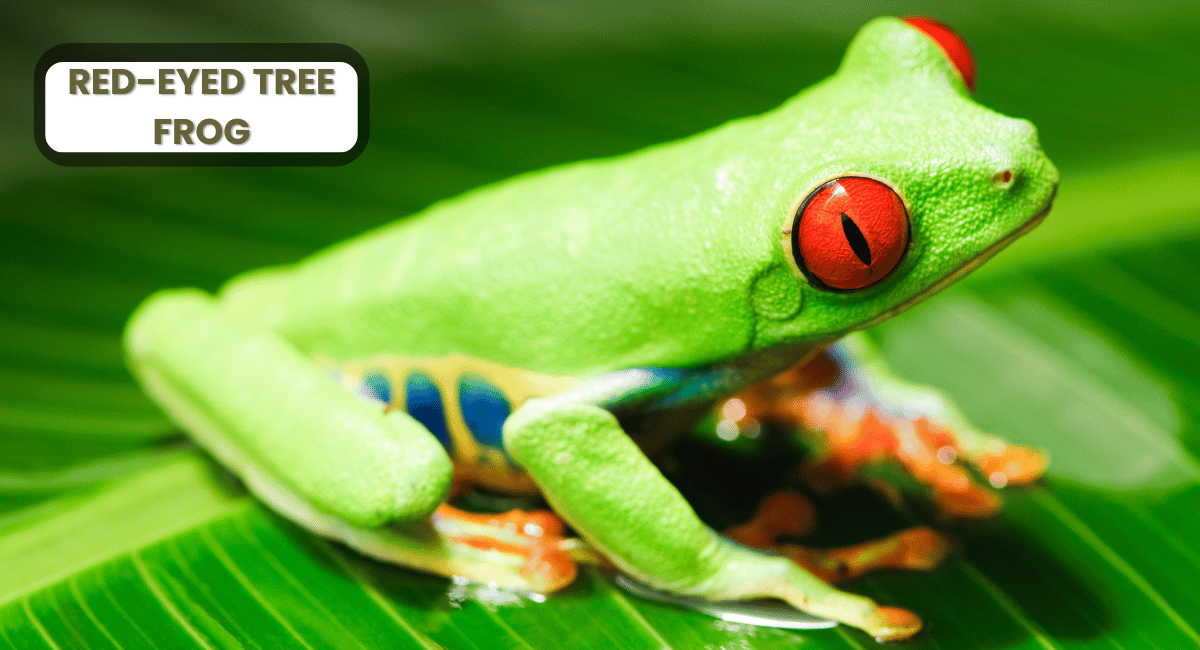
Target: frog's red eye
[
  {"x": 951, "y": 43},
  {"x": 849, "y": 234}
]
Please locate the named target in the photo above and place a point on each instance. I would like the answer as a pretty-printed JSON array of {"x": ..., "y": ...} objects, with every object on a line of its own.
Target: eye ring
[{"x": 850, "y": 234}]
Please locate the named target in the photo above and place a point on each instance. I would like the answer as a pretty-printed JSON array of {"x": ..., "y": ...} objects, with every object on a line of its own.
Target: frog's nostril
[{"x": 1004, "y": 178}]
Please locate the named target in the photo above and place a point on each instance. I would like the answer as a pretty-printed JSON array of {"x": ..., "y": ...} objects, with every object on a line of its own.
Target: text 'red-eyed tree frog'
[{"x": 537, "y": 335}]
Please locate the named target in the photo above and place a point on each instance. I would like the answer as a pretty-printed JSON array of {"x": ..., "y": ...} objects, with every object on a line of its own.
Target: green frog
[{"x": 538, "y": 334}]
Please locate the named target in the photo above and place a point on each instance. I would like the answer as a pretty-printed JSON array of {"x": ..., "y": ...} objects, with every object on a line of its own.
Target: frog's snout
[{"x": 1023, "y": 170}]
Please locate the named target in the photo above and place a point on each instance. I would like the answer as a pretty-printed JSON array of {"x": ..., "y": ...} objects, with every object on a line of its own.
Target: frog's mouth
[{"x": 967, "y": 267}]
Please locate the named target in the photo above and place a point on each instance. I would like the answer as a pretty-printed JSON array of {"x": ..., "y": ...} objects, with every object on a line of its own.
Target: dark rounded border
[
  {"x": 239, "y": 52},
  {"x": 798, "y": 259}
]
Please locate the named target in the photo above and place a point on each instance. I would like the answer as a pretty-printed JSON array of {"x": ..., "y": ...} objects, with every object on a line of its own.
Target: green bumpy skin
[{"x": 672, "y": 257}]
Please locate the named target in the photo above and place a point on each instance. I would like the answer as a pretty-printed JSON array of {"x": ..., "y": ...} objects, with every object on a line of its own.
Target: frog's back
[
  {"x": 571, "y": 271},
  {"x": 672, "y": 256}
]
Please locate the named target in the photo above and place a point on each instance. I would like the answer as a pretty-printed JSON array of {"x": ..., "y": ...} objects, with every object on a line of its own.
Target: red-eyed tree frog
[{"x": 531, "y": 335}]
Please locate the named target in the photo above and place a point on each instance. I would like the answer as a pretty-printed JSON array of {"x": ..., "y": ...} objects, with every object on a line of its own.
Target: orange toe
[
  {"x": 1017, "y": 464},
  {"x": 549, "y": 569},
  {"x": 974, "y": 501},
  {"x": 892, "y": 624},
  {"x": 781, "y": 513},
  {"x": 923, "y": 548}
]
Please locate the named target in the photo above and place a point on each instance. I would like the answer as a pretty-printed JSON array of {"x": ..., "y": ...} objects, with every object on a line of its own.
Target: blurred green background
[{"x": 1082, "y": 338}]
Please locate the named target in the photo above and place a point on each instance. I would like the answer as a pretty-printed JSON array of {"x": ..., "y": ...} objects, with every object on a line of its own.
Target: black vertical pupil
[{"x": 855, "y": 238}]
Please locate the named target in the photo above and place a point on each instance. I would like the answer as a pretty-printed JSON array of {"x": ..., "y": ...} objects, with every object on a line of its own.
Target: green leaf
[{"x": 1083, "y": 339}]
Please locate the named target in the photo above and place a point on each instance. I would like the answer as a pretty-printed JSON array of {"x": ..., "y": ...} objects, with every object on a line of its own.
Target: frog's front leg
[
  {"x": 597, "y": 479},
  {"x": 316, "y": 453}
]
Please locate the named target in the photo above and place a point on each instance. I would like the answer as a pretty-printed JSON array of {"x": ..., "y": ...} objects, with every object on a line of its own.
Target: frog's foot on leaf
[
  {"x": 895, "y": 623},
  {"x": 787, "y": 513},
  {"x": 862, "y": 420},
  {"x": 534, "y": 539},
  {"x": 856, "y": 439},
  {"x": 1006, "y": 464}
]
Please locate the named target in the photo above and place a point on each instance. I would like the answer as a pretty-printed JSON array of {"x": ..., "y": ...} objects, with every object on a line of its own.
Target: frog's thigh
[
  {"x": 596, "y": 478},
  {"x": 273, "y": 417}
]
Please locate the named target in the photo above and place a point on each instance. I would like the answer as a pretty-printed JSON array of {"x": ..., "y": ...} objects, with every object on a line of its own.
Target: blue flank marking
[
  {"x": 634, "y": 387},
  {"x": 671, "y": 387},
  {"x": 423, "y": 401},
  {"x": 484, "y": 409},
  {"x": 378, "y": 386}
]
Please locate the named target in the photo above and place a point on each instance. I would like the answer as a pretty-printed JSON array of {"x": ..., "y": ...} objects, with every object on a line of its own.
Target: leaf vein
[
  {"x": 507, "y": 628},
  {"x": 1089, "y": 537},
  {"x": 1011, "y": 608},
  {"x": 117, "y": 605},
  {"x": 157, "y": 590},
  {"x": 850, "y": 641},
  {"x": 37, "y": 624},
  {"x": 215, "y": 546},
  {"x": 231, "y": 623},
  {"x": 378, "y": 598},
  {"x": 252, "y": 539},
  {"x": 623, "y": 602},
  {"x": 73, "y": 586}
]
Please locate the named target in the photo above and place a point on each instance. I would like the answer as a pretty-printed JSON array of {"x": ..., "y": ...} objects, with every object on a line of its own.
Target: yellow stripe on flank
[{"x": 473, "y": 462}]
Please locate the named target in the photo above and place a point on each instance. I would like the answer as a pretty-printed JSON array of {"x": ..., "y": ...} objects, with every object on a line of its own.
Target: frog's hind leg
[
  {"x": 317, "y": 454},
  {"x": 597, "y": 479},
  {"x": 919, "y": 548}
]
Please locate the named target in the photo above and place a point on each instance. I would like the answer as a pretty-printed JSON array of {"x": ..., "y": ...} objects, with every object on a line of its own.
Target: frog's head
[{"x": 895, "y": 183}]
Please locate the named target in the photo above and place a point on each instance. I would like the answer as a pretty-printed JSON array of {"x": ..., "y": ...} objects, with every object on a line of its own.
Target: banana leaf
[{"x": 1083, "y": 338}]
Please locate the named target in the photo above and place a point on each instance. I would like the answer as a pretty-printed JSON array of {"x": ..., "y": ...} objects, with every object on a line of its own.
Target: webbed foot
[
  {"x": 932, "y": 454},
  {"x": 534, "y": 538},
  {"x": 861, "y": 420}
]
